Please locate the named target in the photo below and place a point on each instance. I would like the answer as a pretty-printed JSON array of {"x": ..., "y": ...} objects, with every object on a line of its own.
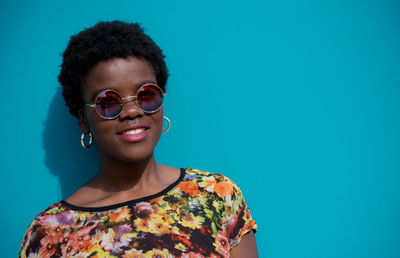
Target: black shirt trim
[{"x": 131, "y": 202}]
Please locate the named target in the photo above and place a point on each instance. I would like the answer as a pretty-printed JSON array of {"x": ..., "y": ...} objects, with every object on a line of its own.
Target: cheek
[
  {"x": 96, "y": 125},
  {"x": 90, "y": 118},
  {"x": 157, "y": 126},
  {"x": 161, "y": 123},
  {"x": 94, "y": 129}
]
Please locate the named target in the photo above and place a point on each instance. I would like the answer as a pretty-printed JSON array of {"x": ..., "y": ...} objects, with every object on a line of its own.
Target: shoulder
[
  {"x": 42, "y": 218},
  {"x": 53, "y": 209},
  {"x": 42, "y": 223},
  {"x": 211, "y": 182},
  {"x": 223, "y": 192},
  {"x": 192, "y": 173}
]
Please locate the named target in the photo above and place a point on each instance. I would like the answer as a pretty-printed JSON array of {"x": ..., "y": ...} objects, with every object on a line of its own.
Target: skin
[
  {"x": 128, "y": 170},
  {"x": 247, "y": 247}
]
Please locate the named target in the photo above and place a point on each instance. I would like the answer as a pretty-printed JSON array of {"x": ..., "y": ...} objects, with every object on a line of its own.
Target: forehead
[{"x": 125, "y": 75}]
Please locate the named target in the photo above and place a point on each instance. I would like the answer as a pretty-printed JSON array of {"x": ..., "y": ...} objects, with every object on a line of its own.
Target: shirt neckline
[{"x": 130, "y": 202}]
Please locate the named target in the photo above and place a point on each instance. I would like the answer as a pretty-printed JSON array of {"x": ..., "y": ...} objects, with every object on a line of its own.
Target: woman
[{"x": 113, "y": 77}]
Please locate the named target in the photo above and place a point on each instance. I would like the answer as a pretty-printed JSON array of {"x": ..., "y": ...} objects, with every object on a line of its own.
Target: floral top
[{"x": 202, "y": 214}]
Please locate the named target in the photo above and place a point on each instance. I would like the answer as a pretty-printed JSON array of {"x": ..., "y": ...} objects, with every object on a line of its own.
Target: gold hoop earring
[
  {"x": 169, "y": 124},
  {"x": 84, "y": 145}
]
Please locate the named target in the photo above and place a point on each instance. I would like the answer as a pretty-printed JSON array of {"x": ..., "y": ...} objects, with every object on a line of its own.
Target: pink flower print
[
  {"x": 123, "y": 229},
  {"x": 65, "y": 218},
  {"x": 49, "y": 247},
  {"x": 59, "y": 233},
  {"x": 49, "y": 220},
  {"x": 143, "y": 209},
  {"x": 222, "y": 244},
  {"x": 191, "y": 255},
  {"x": 230, "y": 223},
  {"x": 77, "y": 240}
]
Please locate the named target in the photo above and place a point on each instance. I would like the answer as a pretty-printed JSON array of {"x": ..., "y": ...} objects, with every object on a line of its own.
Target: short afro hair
[{"x": 101, "y": 42}]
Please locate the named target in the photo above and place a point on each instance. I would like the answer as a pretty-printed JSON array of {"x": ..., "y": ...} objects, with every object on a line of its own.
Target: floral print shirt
[{"x": 202, "y": 214}]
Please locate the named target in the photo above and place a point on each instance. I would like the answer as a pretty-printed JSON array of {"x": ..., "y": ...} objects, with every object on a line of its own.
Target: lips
[{"x": 133, "y": 134}]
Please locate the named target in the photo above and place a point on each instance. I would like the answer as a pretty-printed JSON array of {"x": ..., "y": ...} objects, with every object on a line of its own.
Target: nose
[{"x": 130, "y": 109}]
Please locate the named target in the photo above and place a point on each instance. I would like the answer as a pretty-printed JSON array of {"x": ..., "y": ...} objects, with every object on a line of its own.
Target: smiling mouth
[{"x": 134, "y": 131}]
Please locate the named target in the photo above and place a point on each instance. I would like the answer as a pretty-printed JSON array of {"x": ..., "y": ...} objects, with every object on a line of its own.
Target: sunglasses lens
[
  {"x": 108, "y": 104},
  {"x": 150, "y": 98}
]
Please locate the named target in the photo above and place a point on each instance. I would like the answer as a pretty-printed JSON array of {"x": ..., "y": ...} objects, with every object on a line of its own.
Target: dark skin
[{"x": 128, "y": 170}]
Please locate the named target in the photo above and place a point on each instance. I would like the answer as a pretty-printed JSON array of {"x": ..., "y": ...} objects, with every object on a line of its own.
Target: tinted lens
[
  {"x": 108, "y": 104},
  {"x": 150, "y": 98}
]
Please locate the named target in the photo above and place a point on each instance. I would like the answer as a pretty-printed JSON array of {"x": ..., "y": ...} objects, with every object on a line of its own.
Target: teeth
[{"x": 134, "y": 131}]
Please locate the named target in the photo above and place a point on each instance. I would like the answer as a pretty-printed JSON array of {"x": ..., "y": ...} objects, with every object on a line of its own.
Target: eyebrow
[{"x": 95, "y": 93}]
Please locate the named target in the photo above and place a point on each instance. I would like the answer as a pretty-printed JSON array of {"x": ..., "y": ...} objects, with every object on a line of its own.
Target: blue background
[{"x": 296, "y": 101}]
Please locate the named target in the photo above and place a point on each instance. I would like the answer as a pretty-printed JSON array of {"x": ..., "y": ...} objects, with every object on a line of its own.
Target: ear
[{"x": 83, "y": 124}]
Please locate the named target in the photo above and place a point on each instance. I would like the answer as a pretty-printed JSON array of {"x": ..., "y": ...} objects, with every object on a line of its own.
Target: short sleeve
[
  {"x": 238, "y": 218},
  {"x": 27, "y": 240}
]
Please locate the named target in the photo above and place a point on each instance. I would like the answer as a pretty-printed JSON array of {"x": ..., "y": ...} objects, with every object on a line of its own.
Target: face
[{"x": 133, "y": 135}]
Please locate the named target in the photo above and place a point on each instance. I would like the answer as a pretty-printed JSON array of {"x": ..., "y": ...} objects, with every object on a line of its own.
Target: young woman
[{"x": 113, "y": 77}]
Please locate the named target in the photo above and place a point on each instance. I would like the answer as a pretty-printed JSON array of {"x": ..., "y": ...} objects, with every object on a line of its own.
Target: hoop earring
[
  {"x": 84, "y": 145},
  {"x": 169, "y": 124}
]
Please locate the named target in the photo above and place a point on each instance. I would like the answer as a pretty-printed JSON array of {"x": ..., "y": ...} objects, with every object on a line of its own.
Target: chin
[
  {"x": 135, "y": 158},
  {"x": 131, "y": 155}
]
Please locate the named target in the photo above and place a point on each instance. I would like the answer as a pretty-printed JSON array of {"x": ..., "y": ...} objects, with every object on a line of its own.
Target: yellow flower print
[
  {"x": 156, "y": 224},
  {"x": 181, "y": 247},
  {"x": 217, "y": 205},
  {"x": 84, "y": 216},
  {"x": 97, "y": 252},
  {"x": 155, "y": 253},
  {"x": 202, "y": 206},
  {"x": 142, "y": 225},
  {"x": 190, "y": 221},
  {"x": 160, "y": 224},
  {"x": 133, "y": 253},
  {"x": 161, "y": 215},
  {"x": 55, "y": 210},
  {"x": 81, "y": 255},
  {"x": 175, "y": 230}
]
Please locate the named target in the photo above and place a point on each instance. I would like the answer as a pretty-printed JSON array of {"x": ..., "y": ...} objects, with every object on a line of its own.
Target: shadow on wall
[{"x": 65, "y": 157}]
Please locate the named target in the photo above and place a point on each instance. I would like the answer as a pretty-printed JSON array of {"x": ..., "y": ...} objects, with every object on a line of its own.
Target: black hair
[{"x": 101, "y": 42}]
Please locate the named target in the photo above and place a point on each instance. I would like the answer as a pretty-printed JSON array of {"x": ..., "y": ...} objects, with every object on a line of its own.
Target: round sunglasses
[{"x": 109, "y": 103}]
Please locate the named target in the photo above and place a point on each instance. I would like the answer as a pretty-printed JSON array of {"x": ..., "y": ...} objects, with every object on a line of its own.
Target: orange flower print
[
  {"x": 77, "y": 240},
  {"x": 209, "y": 185},
  {"x": 190, "y": 187},
  {"x": 59, "y": 233},
  {"x": 223, "y": 189},
  {"x": 122, "y": 215},
  {"x": 203, "y": 215},
  {"x": 48, "y": 248}
]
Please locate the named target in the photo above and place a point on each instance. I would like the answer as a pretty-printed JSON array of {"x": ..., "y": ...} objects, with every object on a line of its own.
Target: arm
[{"x": 247, "y": 247}]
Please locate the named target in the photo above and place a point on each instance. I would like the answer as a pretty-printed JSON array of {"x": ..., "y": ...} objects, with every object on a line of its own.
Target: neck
[{"x": 116, "y": 175}]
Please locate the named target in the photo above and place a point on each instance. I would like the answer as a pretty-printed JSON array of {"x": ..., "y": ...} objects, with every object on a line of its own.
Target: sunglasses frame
[{"x": 128, "y": 99}]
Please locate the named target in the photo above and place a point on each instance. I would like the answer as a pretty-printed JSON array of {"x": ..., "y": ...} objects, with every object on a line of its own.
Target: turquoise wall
[{"x": 296, "y": 101}]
